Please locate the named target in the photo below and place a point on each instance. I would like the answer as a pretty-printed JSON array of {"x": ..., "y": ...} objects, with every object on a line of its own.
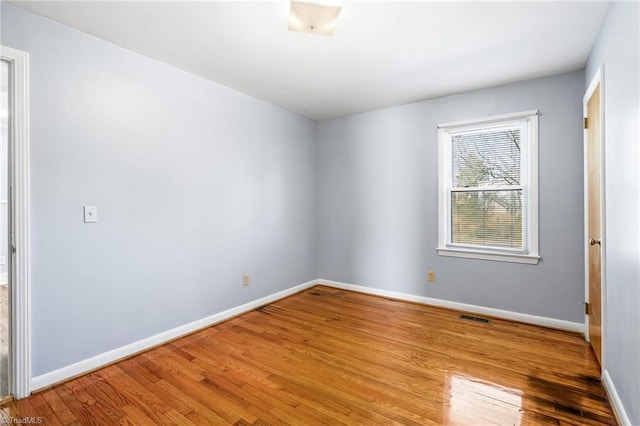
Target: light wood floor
[{"x": 327, "y": 356}]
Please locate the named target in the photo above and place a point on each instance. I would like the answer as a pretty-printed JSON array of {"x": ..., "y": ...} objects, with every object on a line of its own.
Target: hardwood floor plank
[
  {"x": 329, "y": 356},
  {"x": 26, "y": 409},
  {"x": 44, "y": 411},
  {"x": 178, "y": 419},
  {"x": 135, "y": 416},
  {"x": 61, "y": 410},
  {"x": 85, "y": 410},
  {"x": 210, "y": 398},
  {"x": 140, "y": 397},
  {"x": 105, "y": 394},
  {"x": 209, "y": 416},
  {"x": 134, "y": 370}
]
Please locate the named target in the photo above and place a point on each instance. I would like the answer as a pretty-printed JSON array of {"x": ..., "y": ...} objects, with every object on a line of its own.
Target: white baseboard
[
  {"x": 93, "y": 363},
  {"x": 615, "y": 400},
  {"x": 4, "y": 278},
  {"x": 498, "y": 313}
]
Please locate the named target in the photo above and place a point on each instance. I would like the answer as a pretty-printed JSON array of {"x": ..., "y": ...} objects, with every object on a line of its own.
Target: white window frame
[{"x": 529, "y": 185}]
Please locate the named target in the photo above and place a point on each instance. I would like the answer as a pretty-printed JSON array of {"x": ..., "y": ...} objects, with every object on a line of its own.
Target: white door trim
[
  {"x": 598, "y": 79},
  {"x": 21, "y": 261}
]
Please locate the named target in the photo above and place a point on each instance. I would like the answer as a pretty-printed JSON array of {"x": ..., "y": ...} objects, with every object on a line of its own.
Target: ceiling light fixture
[{"x": 313, "y": 18}]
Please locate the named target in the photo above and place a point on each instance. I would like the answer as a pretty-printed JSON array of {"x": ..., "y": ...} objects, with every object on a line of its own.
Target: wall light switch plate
[{"x": 90, "y": 214}]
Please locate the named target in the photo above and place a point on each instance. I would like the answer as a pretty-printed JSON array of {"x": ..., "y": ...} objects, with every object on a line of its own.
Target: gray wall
[
  {"x": 195, "y": 183},
  {"x": 378, "y": 197},
  {"x": 618, "y": 48}
]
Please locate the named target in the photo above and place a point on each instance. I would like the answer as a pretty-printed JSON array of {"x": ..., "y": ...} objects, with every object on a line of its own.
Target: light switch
[{"x": 90, "y": 214}]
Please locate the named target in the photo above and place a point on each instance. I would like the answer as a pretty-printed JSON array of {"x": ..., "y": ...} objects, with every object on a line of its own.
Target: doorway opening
[
  {"x": 15, "y": 328},
  {"x": 5, "y": 292}
]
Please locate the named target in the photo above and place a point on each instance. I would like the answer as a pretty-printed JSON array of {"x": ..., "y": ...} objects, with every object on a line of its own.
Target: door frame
[
  {"x": 598, "y": 79},
  {"x": 20, "y": 262}
]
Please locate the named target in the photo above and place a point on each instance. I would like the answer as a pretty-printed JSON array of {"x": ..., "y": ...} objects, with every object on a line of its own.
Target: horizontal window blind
[
  {"x": 487, "y": 158},
  {"x": 487, "y": 218}
]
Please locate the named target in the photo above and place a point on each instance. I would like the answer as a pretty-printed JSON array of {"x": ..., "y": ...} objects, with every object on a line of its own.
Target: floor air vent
[{"x": 476, "y": 319}]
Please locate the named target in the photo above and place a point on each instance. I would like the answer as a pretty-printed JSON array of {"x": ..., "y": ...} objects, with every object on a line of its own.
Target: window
[{"x": 488, "y": 188}]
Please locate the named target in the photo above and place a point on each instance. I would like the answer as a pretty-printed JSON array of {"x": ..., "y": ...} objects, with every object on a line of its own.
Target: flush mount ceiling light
[{"x": 313, "y": 18}]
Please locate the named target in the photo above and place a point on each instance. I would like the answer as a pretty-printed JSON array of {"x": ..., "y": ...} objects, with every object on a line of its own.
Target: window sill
[{"x": 485, "y": 255}]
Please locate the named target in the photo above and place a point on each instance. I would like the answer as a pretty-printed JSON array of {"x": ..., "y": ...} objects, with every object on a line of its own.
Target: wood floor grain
[{"x": 328, "y": 356}]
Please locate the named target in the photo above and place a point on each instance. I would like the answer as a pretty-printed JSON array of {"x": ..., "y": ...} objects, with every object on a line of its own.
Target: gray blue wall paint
[
  {"x": 195, "y": 183},
  {"x": 618, "y": 48},
  {"x": 378, "y": 196}
]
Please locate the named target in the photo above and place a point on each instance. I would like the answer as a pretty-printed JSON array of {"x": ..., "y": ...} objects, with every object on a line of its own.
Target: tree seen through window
[{"x": 486, "y": 195}]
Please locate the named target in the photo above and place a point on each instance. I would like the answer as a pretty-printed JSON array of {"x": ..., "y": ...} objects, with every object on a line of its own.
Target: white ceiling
[{"x": 382, "y": 53}]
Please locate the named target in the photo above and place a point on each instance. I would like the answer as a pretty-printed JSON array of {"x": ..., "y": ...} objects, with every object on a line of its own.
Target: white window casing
[{"x": 523, "y": 248}]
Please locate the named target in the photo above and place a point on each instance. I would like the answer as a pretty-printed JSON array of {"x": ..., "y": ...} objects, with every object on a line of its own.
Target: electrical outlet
[
  {"x": 431, "y": 276},
  {"x": 245, "y": 280},
  {"x": 3, "y": 260}
]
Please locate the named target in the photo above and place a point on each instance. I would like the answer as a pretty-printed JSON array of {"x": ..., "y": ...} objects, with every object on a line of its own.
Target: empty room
[{"x": 320, "y": 212}]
